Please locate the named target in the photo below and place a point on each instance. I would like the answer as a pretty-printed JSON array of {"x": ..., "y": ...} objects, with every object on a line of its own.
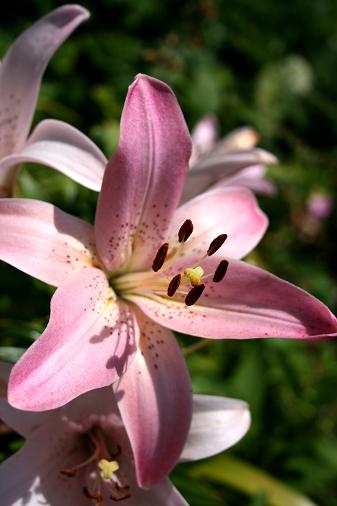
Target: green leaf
[
  {"x": 246, "y": 478},
  {"x": 11, "y": 353}
]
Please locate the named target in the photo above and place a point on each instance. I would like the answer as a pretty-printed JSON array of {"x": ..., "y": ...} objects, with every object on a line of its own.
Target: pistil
[
  {"x": 158, "y": 281},
  {"x": 105, "y": 467}
]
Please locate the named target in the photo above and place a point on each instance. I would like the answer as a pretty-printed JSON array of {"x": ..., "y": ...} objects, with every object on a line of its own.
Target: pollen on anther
[
  {"x": 185, "y": 231},
  {"x": 216, "y": 244},
  {"x": 194, "y": 294},
  {"x": 173, "y": 285},
  {"x": 220, "y": 271},
  {"x": 159, "y": 259}
]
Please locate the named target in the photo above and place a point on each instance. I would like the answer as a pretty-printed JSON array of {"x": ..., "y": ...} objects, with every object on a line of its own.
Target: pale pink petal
[
  {"x": 100, "y": 401},
  {"x": 154, "y": 398},
  {"x": 64, "y": 148},
  {"x": 22, "y": 69},
  {"x": 217, "y": 424},
  {"x": 23, "y": 422},
  {"x": 231, "y": 211},
  {"x": 254, "y": 178},
  {"x": 32, "y": 476},
  {"x": 203, "y": 135},
  {"x": 163, "y": 494},
  {"x": 242, "y": 138},
  {"x": 248, "y": 303},
  {"x": 213, "y": 168},
  {"x": 43, "y": 241},
  {"x": 87, "y": 344},
  {"x": 143, "y": 181}
]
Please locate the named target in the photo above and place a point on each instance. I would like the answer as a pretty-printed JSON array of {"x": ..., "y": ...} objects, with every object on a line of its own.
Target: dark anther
[
  {"x": 220, "y": 271},
  {"x": 69, "y": 472},
  {"x": 216, "y": 244},
  {"x": 185, "y": 231},
  {"x": 159, "y": 259},
  {"x": 123, "y": 490},
  {"x": 194, "y": 294},
  {"x": 173, "y": 285},
  {"x": 96, "y": 496}
]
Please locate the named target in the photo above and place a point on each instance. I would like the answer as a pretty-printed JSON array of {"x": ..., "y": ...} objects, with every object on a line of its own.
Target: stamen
[
  {"x": 185, "y": 231},
  {"x": 216, "y": 244},
  {"x": 70, "y": 473},
  {"x": 124, "y": 490},
  {"x": 174, "y": 285},
  {"x": 194, "y": 294},
  {"x": 96, "y": 496},
  {"x": 159, "y": 259},
  {"x": 220, "y": 271}
]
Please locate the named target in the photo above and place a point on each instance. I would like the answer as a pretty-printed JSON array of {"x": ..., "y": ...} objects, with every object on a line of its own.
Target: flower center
[
  {"x": 102, "y": 466},
  {"x": 189, "y": 283}
]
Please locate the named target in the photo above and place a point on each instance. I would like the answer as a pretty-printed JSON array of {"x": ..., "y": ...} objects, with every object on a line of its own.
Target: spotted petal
[
  {"x": 87, "y": 344},
  {"x": 248, "y": 303},
  {"x": 154, "y": 398},
  {"x": 64, "y": 148},
  {"x": 22, "y": 69},
  {"x": 150, "y": 164},
  {"x": 44, "y": 241},
  {"x": 233, "y": 211}
]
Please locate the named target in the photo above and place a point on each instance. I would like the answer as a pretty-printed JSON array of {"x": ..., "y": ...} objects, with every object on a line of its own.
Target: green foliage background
[{"x": 269, "y": 64}]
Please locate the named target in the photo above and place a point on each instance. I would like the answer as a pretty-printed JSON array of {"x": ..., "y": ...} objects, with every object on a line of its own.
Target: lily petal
[
  {"x": 248, "y": 303},
  {"x": 213, "y": 168},
  {"x": 150, "y": 164},
  {"x": 155, "y": 402},
  {"x": 43, "y": 241},
  {"x": 163, "y": 494},
  {"x": 217, "y": 424},
  {"x": 22, "y": 69},
  {"x": 233, "y": 211},
  {"x": 254, "y": 178},
  {"x": 23, "y": 422},
  {"x": 242, "y": 138},
  {"x": 87, "y": 344},
  {"x": 32, "y": 475},
  {"x": 203, "y": 135},
  {"x": 64, "y": 148}
]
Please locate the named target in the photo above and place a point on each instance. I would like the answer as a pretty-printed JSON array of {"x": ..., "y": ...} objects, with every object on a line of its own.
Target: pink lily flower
[
  {"x": 137, "y": 273},
  {"x": 52, "y": 143},
  {"x": 80, "y": 454},
  {"x": 231, "y": 161}
]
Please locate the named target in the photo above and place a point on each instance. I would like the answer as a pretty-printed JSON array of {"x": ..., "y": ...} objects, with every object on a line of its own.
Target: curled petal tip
[
  {"x": 145, "y": 80},
  {"x": 74, "y": 10},
  {"x": 266, "y": 157}
]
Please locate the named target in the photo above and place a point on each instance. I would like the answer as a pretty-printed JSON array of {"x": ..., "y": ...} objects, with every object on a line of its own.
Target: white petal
[{"x": 217, "y": 424}]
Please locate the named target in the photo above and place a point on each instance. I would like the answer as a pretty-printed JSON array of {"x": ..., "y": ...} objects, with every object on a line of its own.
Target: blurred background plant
[{"x": 273, "y": 66}]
